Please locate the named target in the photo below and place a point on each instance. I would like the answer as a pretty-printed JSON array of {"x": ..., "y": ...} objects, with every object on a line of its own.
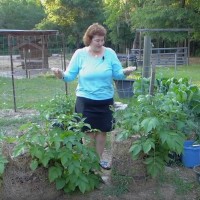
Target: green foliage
[
  {"x": 188, "y": 95},
  {"x": 122, "y": 18},
  {"x": 120, "y": 184},
  {"x": 191, "y": 72},
  {"x": 3, "y": 160},
  {"x": 118, "y": 21},
  {"x": 15, "y": 14},
  {"x": 72, "y": 17},
  {"x": 184, "y": 92},
  {"x": 57, "y": 147},
  {"x": 175, "y": 179},
  {"x": 70, "y": 163},
  {"x": 141, "y": 86},
  {"x": 162, "y": 121},
  {"x": 66, "y": 13},
  {"x": 167, "y": 14},
  {"x": 60, "y": 104}
]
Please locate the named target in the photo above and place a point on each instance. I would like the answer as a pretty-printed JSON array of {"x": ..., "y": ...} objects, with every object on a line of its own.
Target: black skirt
[{"x": 98, "y": 113}]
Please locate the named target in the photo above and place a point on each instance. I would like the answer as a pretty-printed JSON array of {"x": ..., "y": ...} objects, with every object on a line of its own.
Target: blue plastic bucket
[{"x": 191, "y": 154}]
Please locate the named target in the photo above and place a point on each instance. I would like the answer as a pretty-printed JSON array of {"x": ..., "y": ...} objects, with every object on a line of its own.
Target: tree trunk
[
  {"x": 136, "y": 42},
  {"x": 182, "y": 3}
]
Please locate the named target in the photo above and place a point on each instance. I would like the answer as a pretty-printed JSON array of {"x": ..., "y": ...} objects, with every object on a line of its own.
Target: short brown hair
[{"x": 92, "y": 30}]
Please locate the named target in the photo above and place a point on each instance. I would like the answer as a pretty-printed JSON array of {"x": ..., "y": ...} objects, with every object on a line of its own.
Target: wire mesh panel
[{"x": 26, "y": 59}]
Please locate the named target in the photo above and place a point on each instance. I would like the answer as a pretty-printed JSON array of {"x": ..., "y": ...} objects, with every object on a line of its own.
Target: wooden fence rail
[{"x": 164, "y": 56}]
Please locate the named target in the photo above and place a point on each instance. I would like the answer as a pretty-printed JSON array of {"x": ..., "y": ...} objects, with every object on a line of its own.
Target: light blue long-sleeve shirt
[{"x": 95, "y": 74}]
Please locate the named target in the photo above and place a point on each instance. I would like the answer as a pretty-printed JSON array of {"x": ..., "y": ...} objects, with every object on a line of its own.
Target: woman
[{"x": 96, "y": 66}]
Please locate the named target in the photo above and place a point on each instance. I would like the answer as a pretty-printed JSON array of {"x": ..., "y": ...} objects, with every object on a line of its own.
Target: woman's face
[{"x": 97, "y": 42}]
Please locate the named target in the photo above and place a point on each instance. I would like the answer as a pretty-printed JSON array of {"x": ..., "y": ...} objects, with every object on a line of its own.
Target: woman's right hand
[
  {"x": 127, "y": 71},
  {"x": 57, "y": 72}
]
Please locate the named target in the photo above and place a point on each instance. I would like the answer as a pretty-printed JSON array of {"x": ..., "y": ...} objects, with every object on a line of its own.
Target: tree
[
  {"x": 20, "y": 14},
  {"x": 73, "y": 16},
  {"x": 153, "y": 14},
  {"x": 168, "y": 14},
  {"x": 119, "y": 22}
]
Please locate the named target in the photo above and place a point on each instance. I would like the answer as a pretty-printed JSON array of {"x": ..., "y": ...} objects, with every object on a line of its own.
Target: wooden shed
[{"x": 32, "y": 46}]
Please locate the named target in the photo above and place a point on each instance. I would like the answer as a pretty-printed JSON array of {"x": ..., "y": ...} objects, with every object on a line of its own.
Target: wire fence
[
  {"x": 25, "y": 69},
  {"x": 26, "y": 79}
]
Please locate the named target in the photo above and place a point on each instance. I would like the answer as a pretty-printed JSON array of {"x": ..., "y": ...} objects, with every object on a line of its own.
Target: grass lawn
[
  {"x": 192, "y": 72},
  {"x": 31, "y": 93}
]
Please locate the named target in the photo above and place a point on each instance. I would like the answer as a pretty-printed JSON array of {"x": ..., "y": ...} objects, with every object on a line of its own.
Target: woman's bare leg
[
  {"x": 92, "y": 139},
  {"x": 97, "y": 141},
  {"x": 100, "y": 143}
]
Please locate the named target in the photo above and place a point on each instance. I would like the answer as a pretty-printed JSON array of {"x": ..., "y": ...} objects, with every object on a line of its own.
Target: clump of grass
[
  {"x": 181, "y": 186},
  {"x": 120, "y": 185}
]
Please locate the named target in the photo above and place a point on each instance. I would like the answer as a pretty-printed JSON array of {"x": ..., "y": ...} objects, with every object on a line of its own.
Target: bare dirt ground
[
  {"x": 194, "y": 60},
  {"x": 177, "y": 183},
  {"x": 55, "y": 60}
]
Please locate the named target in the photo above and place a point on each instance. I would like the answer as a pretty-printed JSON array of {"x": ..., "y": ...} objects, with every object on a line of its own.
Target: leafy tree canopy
[
  {"x": 20, "y": 14},
  {"x": 118, "y": 21},
  {"x": 153, "y": 14},
  {"x": 168, "y": 14},
  {"x": 73, "y": 16}
]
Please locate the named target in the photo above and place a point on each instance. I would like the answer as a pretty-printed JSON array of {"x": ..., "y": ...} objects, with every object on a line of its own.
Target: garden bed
[{"x": 177, "y": 182}]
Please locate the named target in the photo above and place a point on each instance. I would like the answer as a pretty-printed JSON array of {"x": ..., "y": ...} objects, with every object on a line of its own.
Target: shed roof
[{"x": 27, "y": 32}]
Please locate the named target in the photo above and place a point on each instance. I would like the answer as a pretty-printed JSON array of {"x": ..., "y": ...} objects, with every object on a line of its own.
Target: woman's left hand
[{"x": 127, "y": 71}]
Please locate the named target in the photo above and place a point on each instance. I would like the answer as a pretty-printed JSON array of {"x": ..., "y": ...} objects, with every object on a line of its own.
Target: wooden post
[
  {"x": 140, "y": 46},
  {"x": 146, "y": 57},
  {"x": 152, "y": 81},
  {"x": 175, "y": 63},
  {"x": 25, "y": 62},
  {"x": 43, "y": 53},
  {"x": 127, "y": 57},
  {"x": 188, "y": 49}
]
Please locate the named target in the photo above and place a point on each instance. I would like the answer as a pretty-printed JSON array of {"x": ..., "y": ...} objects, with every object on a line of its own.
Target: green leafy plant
[
  {"x": 60, "y": 104},
  {"x": 3, "y": 159},
  {"x": 58, "y": 147},
  {"x": 186, "y": 92},
  {"x": 70, "y": 164},
  {"x": 159, "y": 123},
  {"x": 141, "y": 86},
  {"x": 188, "y": 95},
  {"x": 162, "y": 121}
]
